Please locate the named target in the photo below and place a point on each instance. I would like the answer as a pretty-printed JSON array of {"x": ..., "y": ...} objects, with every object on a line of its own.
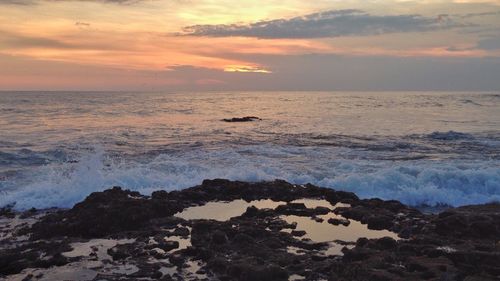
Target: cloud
[
  {"x": 483, "y": 14},
  {"x": 16, "y": 2},
  {"x": 8, "y": 39},
  {"x": 82, "y": 24},
  {"x": 33, "y": 2},
  {"x": 334, "y": 23},
  {"x": 489, "y": 44},
  {"x": 459, "y": 49},
  {"x": 246, "y": 69}
]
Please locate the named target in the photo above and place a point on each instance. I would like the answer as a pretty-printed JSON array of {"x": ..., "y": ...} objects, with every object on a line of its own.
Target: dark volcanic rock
[
  {"x": 168, "y": 245},
  {"x": 219, "y": 237},
  {"x": 458, "y": 244},
  {"x": 14, "y": 260},
  {"x": 7, "y": 212},
  {"x": 121, "y": 252},
  {"x": 104, "y": 213},
  {"x": 336, "y": 221},
  {"x": 242, "y": 119},
  {"x": 298, "y": 233},
  {"x": 481, "y": 221}
]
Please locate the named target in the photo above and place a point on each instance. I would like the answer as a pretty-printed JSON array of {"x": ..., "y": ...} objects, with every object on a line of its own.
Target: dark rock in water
[
  {"x": 242, "y": 119},
  {"x": 298, "y": 233},
  {"x": 7, "y": 212},
  {"x": 300, "y": 209},
  {"x": 181, "y": 231},
  {"x": 316, "y": 219},
  {"x": 121, "y": 252},
  {"x": 336, "y": 221},
  {"x": 458, "y": 244},
  {"x": 322, "y": 210},
  {"x": 168, "y": 245}
]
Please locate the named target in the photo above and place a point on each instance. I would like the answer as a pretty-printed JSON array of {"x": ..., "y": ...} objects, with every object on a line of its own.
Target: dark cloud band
[{"x": 334, "y": 23}]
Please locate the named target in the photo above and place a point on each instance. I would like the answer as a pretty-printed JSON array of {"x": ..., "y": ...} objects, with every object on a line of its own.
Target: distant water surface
[{"x": 419, "y": 148}]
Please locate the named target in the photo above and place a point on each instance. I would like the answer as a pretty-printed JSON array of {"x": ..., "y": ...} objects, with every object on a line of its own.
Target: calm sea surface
[{"x": 420, "y": 148}]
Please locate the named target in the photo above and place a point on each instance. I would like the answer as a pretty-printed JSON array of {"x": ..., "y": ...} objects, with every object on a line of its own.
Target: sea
[{"x": 421, "y": 148}]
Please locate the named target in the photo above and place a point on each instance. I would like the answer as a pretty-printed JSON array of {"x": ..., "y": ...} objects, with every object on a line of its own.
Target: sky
[{"x": 249, "y": 45}]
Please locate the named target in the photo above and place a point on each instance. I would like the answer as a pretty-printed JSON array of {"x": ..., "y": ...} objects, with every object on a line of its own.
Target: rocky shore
[{"x": 226, "y": 230}]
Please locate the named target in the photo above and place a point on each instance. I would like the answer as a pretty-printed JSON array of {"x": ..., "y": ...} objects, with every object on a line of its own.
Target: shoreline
[{"x": 276, "y": 231}]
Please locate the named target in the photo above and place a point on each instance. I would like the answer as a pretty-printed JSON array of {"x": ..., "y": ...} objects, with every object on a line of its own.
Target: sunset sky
[{"x": 191, "y": 45}]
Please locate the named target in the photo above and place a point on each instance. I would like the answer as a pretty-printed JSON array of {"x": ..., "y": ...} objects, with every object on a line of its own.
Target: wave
[
  {"x": 469, "y": 101},
  {"x": 27, "y": 157},
  {"x": 449, "y": 136},
  {"x": 417, "y": 182}
]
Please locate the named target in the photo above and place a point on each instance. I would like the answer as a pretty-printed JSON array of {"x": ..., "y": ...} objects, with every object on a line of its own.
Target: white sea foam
[{"x": 412, "y": 182}]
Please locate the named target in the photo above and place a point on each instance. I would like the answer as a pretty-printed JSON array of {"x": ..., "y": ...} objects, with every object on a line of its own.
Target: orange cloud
[{"x": 245, "y": 68}]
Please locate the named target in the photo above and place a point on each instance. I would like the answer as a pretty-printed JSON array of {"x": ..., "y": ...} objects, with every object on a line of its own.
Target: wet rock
[
  {"x": 242, "y": 238},
  {"x": 156, "y": 275},
  {"x": 379, "y": 222},
  {"x": 321, "y": 210},
  {"x": 337, "y": 221},
  {"x": 298, "y": 233},
  {"x": 168, "y": 245},
  {"x": 273, "y": 243},
  {"x": 158, "y": 253},
  {"x": 104, "y": 213},
  {"x": 482, "y": 221},
  {"x": 219, "y": 237},
  {"x": 177, "y": 260},
  {"x": 249, "y": 272},
  {"x": 123, "y": 251},
  {"x": 7, "y": 212},
  {"x": 14, "y": 260},
  {"x": 358, "y": 254},
  {"x": 290, "y": 208},
  {"x": 300, "y": 209},
  {"x": 242, "y": 119},
  {"x": 181, "y": 231},
  {"x": 317, "y": 219},
  {"x": 386, "y": 243},
  {"x": 29, "y": 213},
  {"x": 251, "y": 211}
]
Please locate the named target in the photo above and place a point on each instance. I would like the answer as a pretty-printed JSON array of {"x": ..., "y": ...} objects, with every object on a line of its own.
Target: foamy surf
[{"x": 417, "y": 182}]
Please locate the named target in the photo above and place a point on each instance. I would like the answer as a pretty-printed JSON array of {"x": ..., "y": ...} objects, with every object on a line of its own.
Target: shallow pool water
[
  {"x": 316, "y": 231},
  {"x": 223, "y": 211}
]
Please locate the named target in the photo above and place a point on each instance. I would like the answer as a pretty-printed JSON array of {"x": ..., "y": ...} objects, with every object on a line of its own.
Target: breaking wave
[{"x": 418, "y": 182}]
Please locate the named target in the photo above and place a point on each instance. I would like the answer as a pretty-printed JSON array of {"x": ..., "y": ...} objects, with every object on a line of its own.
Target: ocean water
[{"x": 419, "y": 148}]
